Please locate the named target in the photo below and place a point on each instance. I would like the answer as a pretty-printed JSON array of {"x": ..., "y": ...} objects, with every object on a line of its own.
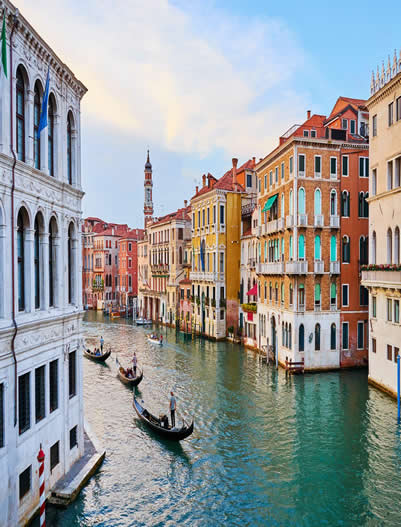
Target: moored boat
[
  {"x": 98, "y": 358},
  {"x": 156, "y": 342},
  {"x": 162, "y": 428},
  {"x": 143, "y": 322}
]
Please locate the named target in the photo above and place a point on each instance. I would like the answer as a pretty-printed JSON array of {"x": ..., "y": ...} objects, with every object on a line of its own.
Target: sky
[{"x": 199, "y": 82}]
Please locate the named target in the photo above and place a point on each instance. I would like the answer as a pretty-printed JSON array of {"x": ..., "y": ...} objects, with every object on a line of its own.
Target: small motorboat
[
  {"x": 143, "y": 322},
  {"x": 155, "y": 342},
  {"x": 122, "y": 374},
  {"x": 98, "y": 358},
  {"x": 161, "y": 426},
  {"x": 115, "y": 314}
]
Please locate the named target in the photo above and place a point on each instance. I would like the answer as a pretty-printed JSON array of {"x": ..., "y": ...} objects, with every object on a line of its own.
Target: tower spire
[{"x": 148, "y": 185}]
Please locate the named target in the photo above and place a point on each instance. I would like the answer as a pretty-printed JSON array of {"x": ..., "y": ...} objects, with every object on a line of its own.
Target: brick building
[
  {"x": 128, "y": 266},
  {"x": 313, "y": 219}
]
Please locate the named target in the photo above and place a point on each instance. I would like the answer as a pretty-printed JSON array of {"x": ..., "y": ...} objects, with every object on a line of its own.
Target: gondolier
[
  {"x": 101, "y": 343},
  {"x": 134, "y": 363},
  {"x": 173, "y": 406}
]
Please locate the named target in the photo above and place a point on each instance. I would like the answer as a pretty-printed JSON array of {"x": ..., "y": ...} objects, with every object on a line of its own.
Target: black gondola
[
  {"x": 176, "y": 434},
  {"x": 97, "y": 358},
  {"x": 132, "y": 381}
]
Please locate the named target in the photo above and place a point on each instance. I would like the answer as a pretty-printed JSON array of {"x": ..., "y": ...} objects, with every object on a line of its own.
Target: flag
[
  {"x": 43, "y": 113},
  {"x": 4, "y": 46}
]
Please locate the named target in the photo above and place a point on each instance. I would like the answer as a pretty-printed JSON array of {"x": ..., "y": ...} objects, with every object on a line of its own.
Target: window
[
  {"x": 291, "y": 164},
  {"x": 390, "y": 113},
  {"x": 40, "y": 410},
  {"x": 306, "y": 133},
  {"x": 344, "y": 124},
  {"x": 53, "y": 385},
  {"x": 317, "y": 295},
  {"x": 318, "y": 202},
  {"x": 345, "y": 166},
  {"x": 301, "y": 295},
  {"x": 50, "y": 135},
  {"x": 389, "y": 246},
  {"x": 203, "y": 217},
  {"x": 318, "y": 166},
  {"x": 373, "y": 254},
  {"x": 291, "y": 248},
  {"x": 363, "y": 167},
  {"x": 346, "y": 249},
  {"x": 397, "y": 311},
  {"x": 373, "y": 345},
  {"x": 389, "y": 352},
  {"x": 317, "y": 337},
  {"x": 36, "y": 119},
  {"x": 333, "y": 248},
  {"x": 363, "y": 296},
  {"x": 70, "y": 263},
  {"x": 54, "y": 456},
  {"x": 398, "y": 108},
  {"x": 24, "y": 402},
  {"x": 21, "y": 259},
  {"x": 249, "y": 180},
  {"x": 282, "y": 171},
  {"x": 333, "y": 167},
  {"x": 333, "y": 202},
  {"x": 318, "y": 251},
  {"x": 301, "y": 164},
  {"x": 301, "y": 201},
  {"x": 345, "y": 291},
  {"x": 214, "y": 214},
  {"x": 374, "y": 182},
  {"x": 36, "y": 263},
  {"x": 25, "y": 482},
  {"x": 2, "y": 419},
  {"x": 265, "y": 182},
  {"x": 352, "y": 125},
  {"x": 72, "y": 374},
  {"x": 345, "y": 336},
  {"x": 69, "y": 149},
  {"x": 374, "y": 124},
  {"x": 20, "y": 114},
  {"x": 363, "y": 250},
  {"x": 333, "y": 337},
  {"x": 276, "y": 174},
  {"x": 291, "y": 295},
  {"x": 301, "y": 247},
  {"x": 360, "y": 335},
  {"x": 73, "y": 437},
  {"x": 389, "y": 310},
  {"x": 222, "y": 217},
  {"x": 396, "y": 353},
  {"x": 271, "y": 178},
  {"x": 301, "y": 338},
  {"x": 373, "y": 306},
  {"x": 313, "y": 133}
]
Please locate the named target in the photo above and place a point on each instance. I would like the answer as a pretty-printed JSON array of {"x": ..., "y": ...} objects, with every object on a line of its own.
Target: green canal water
[{"x": 312, "y": 450}]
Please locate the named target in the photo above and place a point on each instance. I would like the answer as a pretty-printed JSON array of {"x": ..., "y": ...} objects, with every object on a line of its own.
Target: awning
[
  {"x": 269, "y": 203},
  {"x": 253, "y": 291}
]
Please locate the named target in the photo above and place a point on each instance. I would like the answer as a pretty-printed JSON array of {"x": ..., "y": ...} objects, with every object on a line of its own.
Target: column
[{"x": 44, "y": 151}]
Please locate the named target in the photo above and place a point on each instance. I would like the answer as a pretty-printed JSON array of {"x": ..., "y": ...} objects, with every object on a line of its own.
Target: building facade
[
  {"x": 41, "y": 402},
  {"x": 128, "y": 266},
  {"x": 383, "y": 274},
  {"x": 313, "y": 218}
]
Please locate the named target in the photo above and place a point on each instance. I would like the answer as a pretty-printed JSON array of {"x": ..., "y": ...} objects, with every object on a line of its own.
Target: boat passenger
[
  {"x": 134, "y": 363},
  {"x": 97, "y": 352},
  {"x": 161, "y": 339}
]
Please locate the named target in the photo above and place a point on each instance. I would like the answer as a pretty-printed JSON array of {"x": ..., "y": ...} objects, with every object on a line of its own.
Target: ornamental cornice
[{"x": 384, "y": 91}]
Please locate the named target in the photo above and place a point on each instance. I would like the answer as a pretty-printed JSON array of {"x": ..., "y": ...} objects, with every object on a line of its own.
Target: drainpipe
[{"x": 15, "y": 20}]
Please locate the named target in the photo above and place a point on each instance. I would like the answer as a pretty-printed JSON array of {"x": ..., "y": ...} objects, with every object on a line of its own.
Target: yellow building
[{"x": 216, "y": 233}]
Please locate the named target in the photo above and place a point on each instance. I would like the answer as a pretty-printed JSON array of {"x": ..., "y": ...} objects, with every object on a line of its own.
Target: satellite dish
[{"x": 310, "y": 337}]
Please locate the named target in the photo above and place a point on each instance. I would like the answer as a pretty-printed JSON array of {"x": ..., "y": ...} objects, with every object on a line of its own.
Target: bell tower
[{"x": 148, "y": 184}]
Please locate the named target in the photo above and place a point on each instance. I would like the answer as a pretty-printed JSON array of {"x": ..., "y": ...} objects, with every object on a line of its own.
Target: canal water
[{"x": 312, "y": 450}]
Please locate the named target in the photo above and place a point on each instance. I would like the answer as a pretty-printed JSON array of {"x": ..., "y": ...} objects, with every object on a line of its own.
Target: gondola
[
  {"x": 132, "y": 381},
  {"x": 156, "y": 342},
  {"x": 174, "y": 434},
  {"x": 97, "y": 358}
]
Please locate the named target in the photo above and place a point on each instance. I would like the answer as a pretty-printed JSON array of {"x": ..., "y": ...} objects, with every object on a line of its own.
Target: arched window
[
  {"x": 282, "y": 249},
  {"x": 265, "y": 251},
  {"x": 276, "y": 291},
  {"x": 397, "y": 245},
  {"x": 360, "y": 204},
  {"x": 346, "y": 249},
  {"x": 283, "y": 334},
  {"x": 36, "y": 119},
  {"x": 291, "y": 254},
  {"x": 22, "y": 264},
  {"x": 317, "y": 296},
  {"x": 282, "y": 292},
  {"x": 291, "y": 295},
  {"x": 345, "y": 203},
  {"x": 373, "y": 253},
  {"x": 363, "y": 250},
  {"x": 20, "y": 114},
  {"x": 37, "y": 259},
  {"x": 282, "y": 205},
  {"x": 318, "y": 202},
  {"x": 333, "y": 202},
  {"x": 333, "y": 337},
  {"x": 50, "y": 132},
  {"x": 333, "y": 295},
  {"x": 69, "y": 149},
  {"x": 317, "y": 337},
  {"x": 389, "y": 246},
  {"x": 291, "y": 204},
  {"x": 52, "y": 261},
  {"x": 318, "y": 251},
  {"x": 333, "y": 248},
  {"x": 71, "y": 264},
  {"x": 301, "y": 247},
  {"x": 365, "y": 205},
  {"x": 301, "y": 201},
  {"x": 286, "y": 335},
  {"x": 289, "y": 336},
  {"x": 180, "y": 255},
  {"x": 301, "y": 338}
]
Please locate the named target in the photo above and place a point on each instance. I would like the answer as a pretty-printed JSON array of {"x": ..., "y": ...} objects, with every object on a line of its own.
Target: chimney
[
  {"x": 204, "y": 180},
  {"x": 197, "y": 188},
  {"x": 185, "y": 203},
  {"x": 254, "y": 161},
  {"x": 235, "y": 163},
  {"x": 308, "y": 114}
]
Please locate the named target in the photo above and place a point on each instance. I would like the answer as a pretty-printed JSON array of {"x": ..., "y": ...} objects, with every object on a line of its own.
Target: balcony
[
  {"x": 160, "y": 269},
  {"x": 270, "y": 268},
  {"x": 319, "y": 267},
  {"x": 258, "y": 230},
  {"x": 333, "y": 176},
  {"x": 280, "y": 224},
  {"x": 319, "y": 221},
  {"x": 289, "y": 222},
  {"x": 302, "y": 220},
  {"x": 296, "y": 267},
  {"x": 385, "y": 278},
  {"x": 202, "y": 276},
  {"x": 334, "y": 267},
  {"x": 252, "y": 263},
  {"x": 270, "y": 227},
  {"x": 334, "y": 221},
  {"x": 301, "y": 307}
]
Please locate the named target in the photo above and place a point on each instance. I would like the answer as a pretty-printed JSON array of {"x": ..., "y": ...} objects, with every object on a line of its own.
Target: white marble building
[{"x": 41, "y": 399}]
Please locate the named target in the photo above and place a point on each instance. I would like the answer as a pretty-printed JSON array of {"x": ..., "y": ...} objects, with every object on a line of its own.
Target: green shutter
[
  {"x": 333, "y": 249},
  {"x": 317, "y": 248},
  {"x": 333, "y": 290},
  {"x": 317, "y": 291},
  {"x": 301, "y": 246}
]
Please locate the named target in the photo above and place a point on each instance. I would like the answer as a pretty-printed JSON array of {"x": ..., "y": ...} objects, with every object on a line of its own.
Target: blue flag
[{"x": 43, "y": 113}]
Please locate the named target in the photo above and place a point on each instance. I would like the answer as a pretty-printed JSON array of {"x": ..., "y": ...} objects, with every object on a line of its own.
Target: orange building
[{"x": 128, "y": 265}]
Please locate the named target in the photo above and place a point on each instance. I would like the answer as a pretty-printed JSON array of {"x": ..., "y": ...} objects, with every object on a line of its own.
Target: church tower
[{"x": 148, "y": 184}]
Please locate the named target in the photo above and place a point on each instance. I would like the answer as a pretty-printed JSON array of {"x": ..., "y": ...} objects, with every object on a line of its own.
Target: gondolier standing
[
  {"x": 134, "y": 363},
  {"x": 101, "y": 343},
  {"x": 173, "y": 406}
]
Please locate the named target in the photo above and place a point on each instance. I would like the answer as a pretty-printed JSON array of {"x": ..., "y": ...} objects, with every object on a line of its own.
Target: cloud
[{"x": 189, "y": 81}]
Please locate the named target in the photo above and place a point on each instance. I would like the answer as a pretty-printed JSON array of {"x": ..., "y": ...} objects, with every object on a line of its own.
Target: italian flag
[{"x": 4, "y": 47}]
